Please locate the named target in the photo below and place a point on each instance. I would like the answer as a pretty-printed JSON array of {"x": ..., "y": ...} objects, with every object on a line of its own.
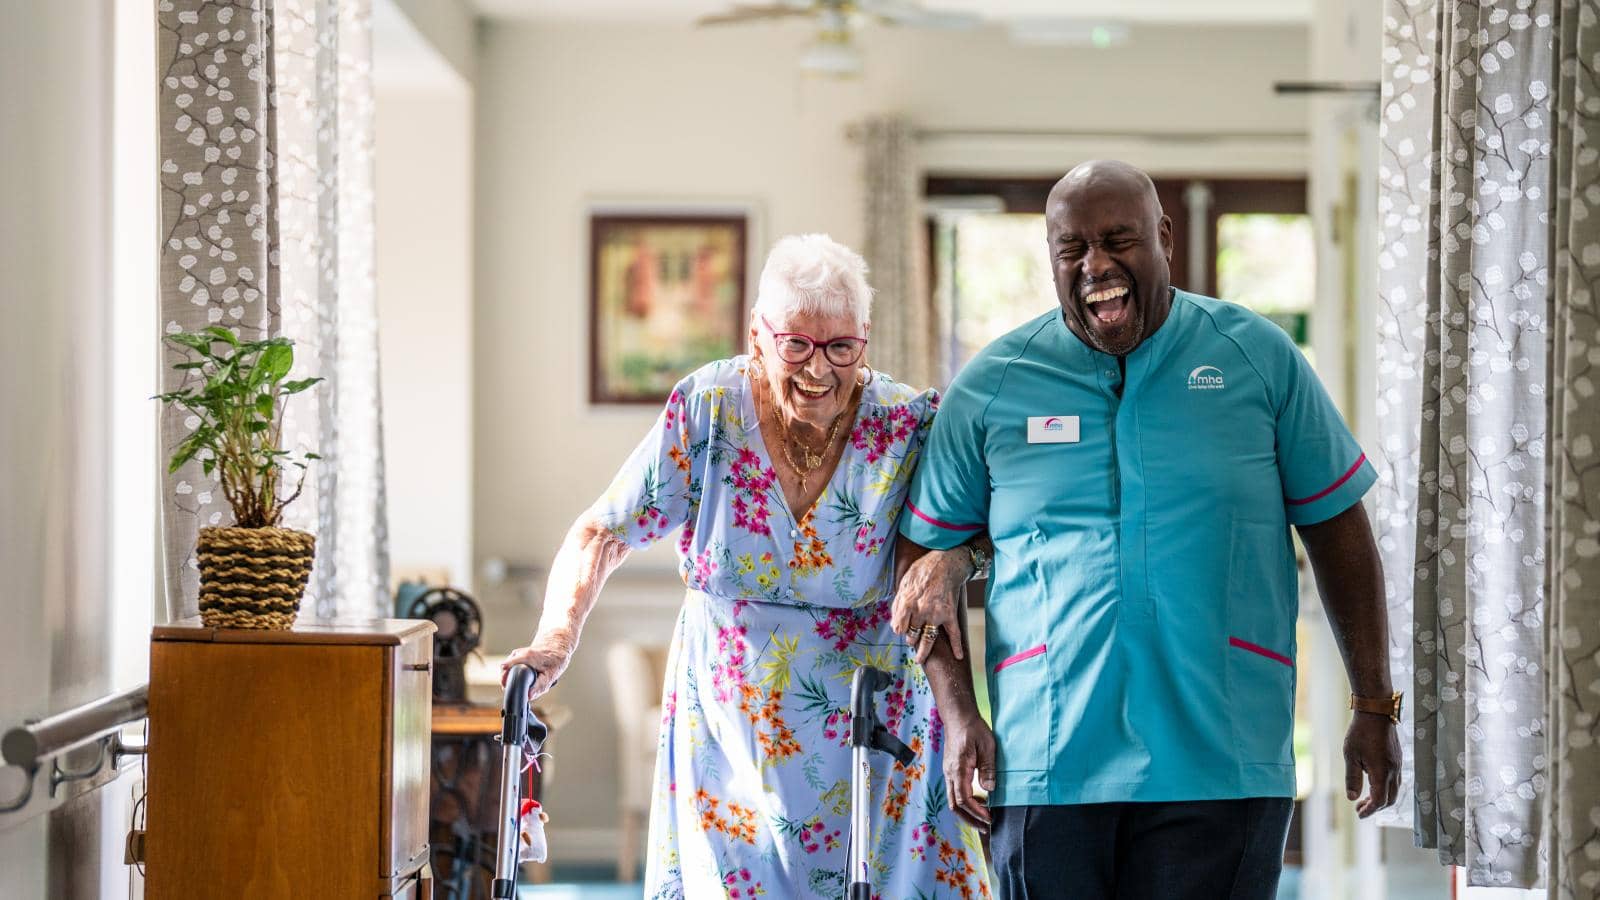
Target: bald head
[
  {"x": 1110, "y": 249},
  {"x": 1103, "y": 177}
]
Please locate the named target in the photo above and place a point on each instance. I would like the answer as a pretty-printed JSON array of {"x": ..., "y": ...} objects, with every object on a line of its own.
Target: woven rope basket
[{"x": 253, "y": 577}]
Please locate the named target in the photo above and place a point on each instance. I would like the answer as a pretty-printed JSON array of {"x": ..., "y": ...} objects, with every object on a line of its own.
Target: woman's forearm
[{"x": 588, "y": 556}]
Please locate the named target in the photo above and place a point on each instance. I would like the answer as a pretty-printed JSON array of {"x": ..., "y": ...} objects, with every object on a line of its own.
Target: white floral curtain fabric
[
  {"x": 1572, "y": 571},
  {"x": 1480, "y": 153},
  {"x": 267, "y": 135},
  {"x": 904, "y": 343}
]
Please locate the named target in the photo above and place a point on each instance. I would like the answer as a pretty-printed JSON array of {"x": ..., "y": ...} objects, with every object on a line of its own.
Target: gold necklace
[{"x": 813, "y": 458}]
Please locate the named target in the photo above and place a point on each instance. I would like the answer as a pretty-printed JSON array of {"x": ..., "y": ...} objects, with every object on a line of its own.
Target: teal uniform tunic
[{"x": 1141, "y": 611}]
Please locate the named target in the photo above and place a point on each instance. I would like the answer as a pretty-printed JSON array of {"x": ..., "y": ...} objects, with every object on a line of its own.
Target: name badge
[{"x": 1052, "y": 429}]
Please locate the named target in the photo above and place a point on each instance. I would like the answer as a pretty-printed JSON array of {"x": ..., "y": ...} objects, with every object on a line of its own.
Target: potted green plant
[{"x": 253, "y": 573}]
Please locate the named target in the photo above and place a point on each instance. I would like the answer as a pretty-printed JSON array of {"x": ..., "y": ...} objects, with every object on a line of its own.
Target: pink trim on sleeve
[
  {"x": 932, "y": 521},
  {"x": 1332, "y": 487}
]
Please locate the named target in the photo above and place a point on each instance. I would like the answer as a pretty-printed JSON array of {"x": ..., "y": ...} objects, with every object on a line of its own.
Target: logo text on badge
[{"x": 1052, "y": 429}]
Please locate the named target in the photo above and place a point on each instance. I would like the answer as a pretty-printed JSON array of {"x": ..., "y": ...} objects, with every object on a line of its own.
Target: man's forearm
[
  {"x": 1349, "y": 576},
  {"x": 951, "y": 678}
]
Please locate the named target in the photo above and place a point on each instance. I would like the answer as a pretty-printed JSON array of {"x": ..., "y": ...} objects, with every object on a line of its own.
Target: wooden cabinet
[{"x": 289, "y": 763}]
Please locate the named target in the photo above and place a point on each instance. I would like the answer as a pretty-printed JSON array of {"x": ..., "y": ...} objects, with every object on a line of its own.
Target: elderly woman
[{"x": 785, "y": 469}]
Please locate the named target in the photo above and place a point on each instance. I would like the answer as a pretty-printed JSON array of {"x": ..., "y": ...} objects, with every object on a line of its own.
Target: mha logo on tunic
[{"x": 1205, "y": 378}]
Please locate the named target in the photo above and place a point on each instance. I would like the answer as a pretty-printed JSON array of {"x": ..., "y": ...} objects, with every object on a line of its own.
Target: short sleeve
[
  {"x": 948, "y": 501},
  {"x": 658, "y": 488},
  {"x": 1323, "y": 470}
]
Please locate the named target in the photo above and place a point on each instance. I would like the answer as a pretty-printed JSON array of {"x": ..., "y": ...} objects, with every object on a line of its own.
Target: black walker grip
[
  {"x": 518, "y": 724},
  {"x": 865, "y": 728}
]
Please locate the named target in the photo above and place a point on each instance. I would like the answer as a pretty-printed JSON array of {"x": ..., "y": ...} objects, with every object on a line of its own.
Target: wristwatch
[
  {"x": 1384, "y": 706},
  {"x": 980, "y": 561}
]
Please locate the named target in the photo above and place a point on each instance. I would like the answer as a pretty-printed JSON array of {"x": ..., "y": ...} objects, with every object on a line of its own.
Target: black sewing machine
[
  {"x": 466, "y": 764},
  {"x": 460, "y": 628}
]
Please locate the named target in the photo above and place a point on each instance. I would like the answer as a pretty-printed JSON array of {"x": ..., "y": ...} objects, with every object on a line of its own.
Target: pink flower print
[
  {"x": 727, "y": 676},
  {"x": 844, "y": 626},
  {"x": 839, "y": 625},
  {"x": 837, "y": 727},
  {"x": 936, "y": 730},
  {"x": 749, "y": 890},
  {"x": 878, "y": 433},
  {"x": 745, "y": 459},
  {"x": 748, "y": 474},
  {"x": 921, "y": 840},
  {"x": 895, "y": 705},
  {"x": 865, "y": 543},
  {"x": 814, "y": 837},
  {"x": 744, "y": 514},
  {"x": 704, "y": 568},
  {"x": 750, "y": 510},
  {"x": 675, "y": 412},
  {"x": 653, "y": 521}
]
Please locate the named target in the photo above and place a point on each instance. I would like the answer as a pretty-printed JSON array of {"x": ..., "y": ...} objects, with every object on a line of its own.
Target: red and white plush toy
[{"x": 530, "y": 841}]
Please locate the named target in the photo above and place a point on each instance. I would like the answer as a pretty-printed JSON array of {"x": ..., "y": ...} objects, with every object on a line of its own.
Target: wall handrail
[
  {"x": 30, "y": 746},
  {"x": 26, "y": 746}
]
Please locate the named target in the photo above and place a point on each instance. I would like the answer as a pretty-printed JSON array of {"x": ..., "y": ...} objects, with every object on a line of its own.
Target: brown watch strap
[{"x": 1388, "y": 707}]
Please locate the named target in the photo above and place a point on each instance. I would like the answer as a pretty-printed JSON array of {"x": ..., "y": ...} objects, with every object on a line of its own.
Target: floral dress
[{"x": 752, "y": 781}]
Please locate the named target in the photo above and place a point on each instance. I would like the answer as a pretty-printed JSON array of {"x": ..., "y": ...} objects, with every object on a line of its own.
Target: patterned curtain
[
  {"x": 267, "y": 135},
  {"x": 1572, "y": 572},
  {"x": 904, "y": 340},
  {"x": 1485, "y": 515}
]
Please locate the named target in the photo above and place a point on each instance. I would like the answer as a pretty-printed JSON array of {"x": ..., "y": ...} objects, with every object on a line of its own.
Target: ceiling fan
[{"x": 833, "y": 53}]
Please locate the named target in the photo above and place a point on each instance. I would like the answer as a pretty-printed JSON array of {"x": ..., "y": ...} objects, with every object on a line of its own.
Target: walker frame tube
[{"x": 519, "y": 728}]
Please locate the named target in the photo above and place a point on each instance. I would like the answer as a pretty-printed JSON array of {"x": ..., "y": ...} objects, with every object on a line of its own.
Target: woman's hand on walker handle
[
  {"x": 587, "y": 557},
  {"x": 547, "y": 654}
]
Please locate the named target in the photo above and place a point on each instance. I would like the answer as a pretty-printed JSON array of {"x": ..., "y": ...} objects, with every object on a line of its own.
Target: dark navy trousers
[{"x": 1194, "y": 850}]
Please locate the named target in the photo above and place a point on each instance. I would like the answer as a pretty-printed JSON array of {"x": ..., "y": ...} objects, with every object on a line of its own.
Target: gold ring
[
  {"x": 914, "y": 631},
  {"x": 931, "y": 633}
]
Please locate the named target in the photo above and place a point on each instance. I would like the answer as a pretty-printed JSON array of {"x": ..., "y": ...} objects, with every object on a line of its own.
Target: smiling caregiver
[{"x": 1137, "y": 457}]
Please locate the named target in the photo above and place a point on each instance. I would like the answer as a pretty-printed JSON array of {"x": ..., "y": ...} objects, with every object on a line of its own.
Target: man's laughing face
[{"x": 1110, "y": 250}]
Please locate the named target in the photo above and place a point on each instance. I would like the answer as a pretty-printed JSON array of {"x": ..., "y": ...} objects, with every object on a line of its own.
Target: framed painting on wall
[{"x": 666, "y": 296}]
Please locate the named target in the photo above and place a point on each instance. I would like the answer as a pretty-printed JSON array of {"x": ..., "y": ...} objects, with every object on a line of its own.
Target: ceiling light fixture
[
  {"x": 831, "y": 55},
  {"x": 1069, "y": 33}
]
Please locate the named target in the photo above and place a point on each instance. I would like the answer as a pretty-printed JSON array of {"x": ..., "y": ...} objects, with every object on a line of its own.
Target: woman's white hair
[{"x": 814, "y": 274}]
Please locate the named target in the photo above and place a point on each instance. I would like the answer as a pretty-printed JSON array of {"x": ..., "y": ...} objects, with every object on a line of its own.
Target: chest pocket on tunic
[
  {"x": 1260, "y": 646},
  {"x": 1023, "y": 709}
]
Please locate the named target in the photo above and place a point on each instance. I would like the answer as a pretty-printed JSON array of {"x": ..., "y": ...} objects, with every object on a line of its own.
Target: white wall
[
  {"x": 450, "y": 27},
  {"x": 423, "y": 208},
  {"x": 572, "y": 114},
  {"x": 71, "y": 633}
]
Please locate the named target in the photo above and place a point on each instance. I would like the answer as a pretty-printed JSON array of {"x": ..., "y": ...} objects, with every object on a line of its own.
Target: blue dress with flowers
[{"x": 752, "y": 781}]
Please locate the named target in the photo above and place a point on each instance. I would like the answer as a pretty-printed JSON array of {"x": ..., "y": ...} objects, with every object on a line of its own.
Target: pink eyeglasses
[{"x": 797, "y": 348}]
